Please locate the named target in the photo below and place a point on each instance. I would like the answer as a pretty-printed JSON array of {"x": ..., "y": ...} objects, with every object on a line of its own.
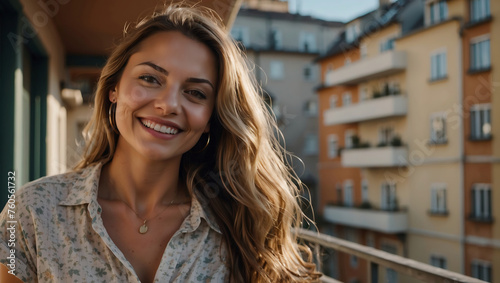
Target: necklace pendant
[{"x": 143, "y": 229}]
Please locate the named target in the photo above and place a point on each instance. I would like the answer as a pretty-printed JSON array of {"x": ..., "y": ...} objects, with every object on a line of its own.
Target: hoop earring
[
  {"x": 206, "y": 145},
  {"x": 112, "y": 117}
]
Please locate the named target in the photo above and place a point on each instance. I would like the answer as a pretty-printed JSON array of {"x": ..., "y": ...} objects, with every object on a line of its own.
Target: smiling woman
[{"x": 182, "y": 179}]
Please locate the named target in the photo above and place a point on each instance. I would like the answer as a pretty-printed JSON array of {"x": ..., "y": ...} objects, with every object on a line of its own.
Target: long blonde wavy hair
[{"x": 243, "y": 174}]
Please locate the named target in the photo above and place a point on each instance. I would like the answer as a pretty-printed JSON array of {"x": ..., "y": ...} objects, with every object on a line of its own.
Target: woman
[{"x": 182, "y": 179}]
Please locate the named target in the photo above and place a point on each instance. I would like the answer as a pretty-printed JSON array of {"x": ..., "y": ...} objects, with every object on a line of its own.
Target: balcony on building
[
  {"x": 385, "y": 221},
  {"x": 388, "y": 106},
  {"x": 371, "y": 157},
  {"x": 385, "y": 64}
]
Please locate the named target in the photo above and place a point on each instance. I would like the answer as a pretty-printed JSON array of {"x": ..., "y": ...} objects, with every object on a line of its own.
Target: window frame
[
  {"x": 438, "y": 261},
  {"x": 484, "y": 14},
  {"x": 486, "y": 271},
  {"x": 481, "y": 204},
  {"x": 273, "y": 64},
  {"x": 483, "y": 55},
  {"x": 480, "y": 115},
  {"x": 437, "y": 206},
  {"x": 332, "y": 152},
  {"x": 434, "y": 139},
  {"x": 439, "y": 64}
]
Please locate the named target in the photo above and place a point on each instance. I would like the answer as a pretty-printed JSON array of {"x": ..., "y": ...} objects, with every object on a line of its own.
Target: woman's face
[{"x": 165, "y": 96}]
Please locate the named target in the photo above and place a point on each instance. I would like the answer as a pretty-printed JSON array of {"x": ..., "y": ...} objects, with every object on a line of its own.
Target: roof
[
  {"x": 406, "y": 12},
  {"x": 287, "y": 17}
]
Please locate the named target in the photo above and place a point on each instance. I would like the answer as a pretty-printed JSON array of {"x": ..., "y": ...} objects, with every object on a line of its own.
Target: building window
[
  {"x": 388, "y": 197},
  {"x": 480, "y": 121},
  {"x": 348, "y": 191},
  {"x": 438, "y": 11},
  {"x": 277, "y": 70},
  {"x": 311, "y": 144},
  {"x": 385, "y": 135},
  {"x": 348, "y": 135},
  {"x": 241, "y": 34},
  {"x": 481, "y": 202},
  {"x": 387, "y": 45},
  {"x": 346, "y": 99},
  {"x": 479, "y": 10},
  {"x": 276, "y": 40},
  {"x": 311, "y": 108},
  {"x": 438, "y": 261},
  {"x": 481, "y": 270},
  {"x": 438, "y": 198},
  {"x": 438, "y": 128},
  {"x": 480, "y": 54},
  {"x": 333, "y": 102},
  {"x": 438, "y": 66},
  {"x": 392, "y": 275},
  {"x": 309, "y": 73},
  {"x": 352, "y": 32},
  {"x": 364, "y": 191},
  {"x": 354, "y": 263},
  {"x": 307, "y": 42},
  {"x": 332, "y": 146}
]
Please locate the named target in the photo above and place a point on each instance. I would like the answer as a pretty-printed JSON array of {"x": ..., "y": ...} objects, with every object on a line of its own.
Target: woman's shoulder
[{"x": 56, "y": 187}]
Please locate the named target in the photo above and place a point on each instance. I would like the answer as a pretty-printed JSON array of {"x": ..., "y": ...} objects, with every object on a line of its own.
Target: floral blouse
[{"x": 60, "y": 237}]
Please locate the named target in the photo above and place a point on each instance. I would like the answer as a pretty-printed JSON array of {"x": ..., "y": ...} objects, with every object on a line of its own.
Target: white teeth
[{"x": 160, "y": 128}]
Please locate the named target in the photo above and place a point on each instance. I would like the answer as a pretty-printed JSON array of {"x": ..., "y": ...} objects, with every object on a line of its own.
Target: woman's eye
[
  {"x": 149, "y": 79},
  {"x": 196, "y": 93}
]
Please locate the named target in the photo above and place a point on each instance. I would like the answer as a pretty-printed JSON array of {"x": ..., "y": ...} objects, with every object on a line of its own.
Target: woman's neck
[{"x": 144, "y": 185}]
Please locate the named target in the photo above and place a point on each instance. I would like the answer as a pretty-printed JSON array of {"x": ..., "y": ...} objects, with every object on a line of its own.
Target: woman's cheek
[{"x": 139, "y": 93}]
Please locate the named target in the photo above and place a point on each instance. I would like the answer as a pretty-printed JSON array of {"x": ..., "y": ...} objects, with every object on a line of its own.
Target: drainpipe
[{"x": 462, "y": 155}]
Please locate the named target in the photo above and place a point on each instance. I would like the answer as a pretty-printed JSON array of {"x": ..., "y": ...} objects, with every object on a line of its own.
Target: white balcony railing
[
  {"x": 379, "y": 220},
  {"x": 387, "y": 63},
  {"x": 378, "y": 259},
  {"x": 389, "y": 106},
  {"x": 387, "y": 156}
]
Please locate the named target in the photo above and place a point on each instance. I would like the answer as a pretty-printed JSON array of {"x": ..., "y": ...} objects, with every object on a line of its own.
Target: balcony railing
[
  {"x": 377, "y": 258},
  {"x": 388, "y": 156},
  {"x": 389, "y": 106},
  {"x": 387, "y": 63},
  {"x": 379, "y": 220}
]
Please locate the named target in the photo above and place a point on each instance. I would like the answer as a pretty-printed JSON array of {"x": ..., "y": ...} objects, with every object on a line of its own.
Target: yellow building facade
[{"x": 422, "y": 127}]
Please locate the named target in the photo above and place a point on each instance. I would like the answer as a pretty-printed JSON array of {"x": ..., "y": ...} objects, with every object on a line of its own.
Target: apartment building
[
  {"x": 407, "y": 95},
  {"x": 282, "y": 47}
]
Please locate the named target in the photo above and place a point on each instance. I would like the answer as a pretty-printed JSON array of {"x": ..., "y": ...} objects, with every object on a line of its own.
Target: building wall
[
  {"x": 429, "y": 245},
  {"x": 56, "y": 120}
]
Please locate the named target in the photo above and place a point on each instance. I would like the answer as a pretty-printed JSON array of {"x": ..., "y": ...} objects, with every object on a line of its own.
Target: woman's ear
[
  {"x": 112, "y": 95},
  {"x": 207, "y": 128}
]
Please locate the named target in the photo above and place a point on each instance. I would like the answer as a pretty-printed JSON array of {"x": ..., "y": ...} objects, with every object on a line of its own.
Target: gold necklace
[{"x": 144, "y": 228}]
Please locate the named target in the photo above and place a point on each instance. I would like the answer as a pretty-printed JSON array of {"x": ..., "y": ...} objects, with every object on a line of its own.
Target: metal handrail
[{"x": 375, "y": 257}]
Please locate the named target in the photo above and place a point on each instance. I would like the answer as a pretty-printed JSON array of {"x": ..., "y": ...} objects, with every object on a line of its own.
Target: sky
[{"x": 337, "y": 10}]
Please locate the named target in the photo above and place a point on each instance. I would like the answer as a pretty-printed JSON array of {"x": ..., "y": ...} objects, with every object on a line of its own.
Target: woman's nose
[{"x": 168, "y": 101}]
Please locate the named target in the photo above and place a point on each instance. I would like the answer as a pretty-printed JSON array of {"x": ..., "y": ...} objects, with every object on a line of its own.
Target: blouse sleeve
[{"x": 17, "y": 238}]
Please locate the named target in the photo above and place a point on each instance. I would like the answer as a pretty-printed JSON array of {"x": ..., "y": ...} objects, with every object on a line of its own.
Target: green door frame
[{"x": 15, "y": 31}]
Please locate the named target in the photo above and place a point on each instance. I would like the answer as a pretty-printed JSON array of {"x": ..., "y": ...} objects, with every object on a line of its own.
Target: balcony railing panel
[
  {"x": 378, "y": 220},
  {"x": 389, "y": 106},
  {"x": 387, "y": 63},
  {"x": 387, "y": 156},
  {"x": 377, "y": 258}
]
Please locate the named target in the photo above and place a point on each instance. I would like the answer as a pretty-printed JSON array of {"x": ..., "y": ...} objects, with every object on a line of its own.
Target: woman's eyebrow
[
  {"x": 165, "y": 72},
  {"x": 199, "y": 80},
  {"x": 154, "y": 66}
]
